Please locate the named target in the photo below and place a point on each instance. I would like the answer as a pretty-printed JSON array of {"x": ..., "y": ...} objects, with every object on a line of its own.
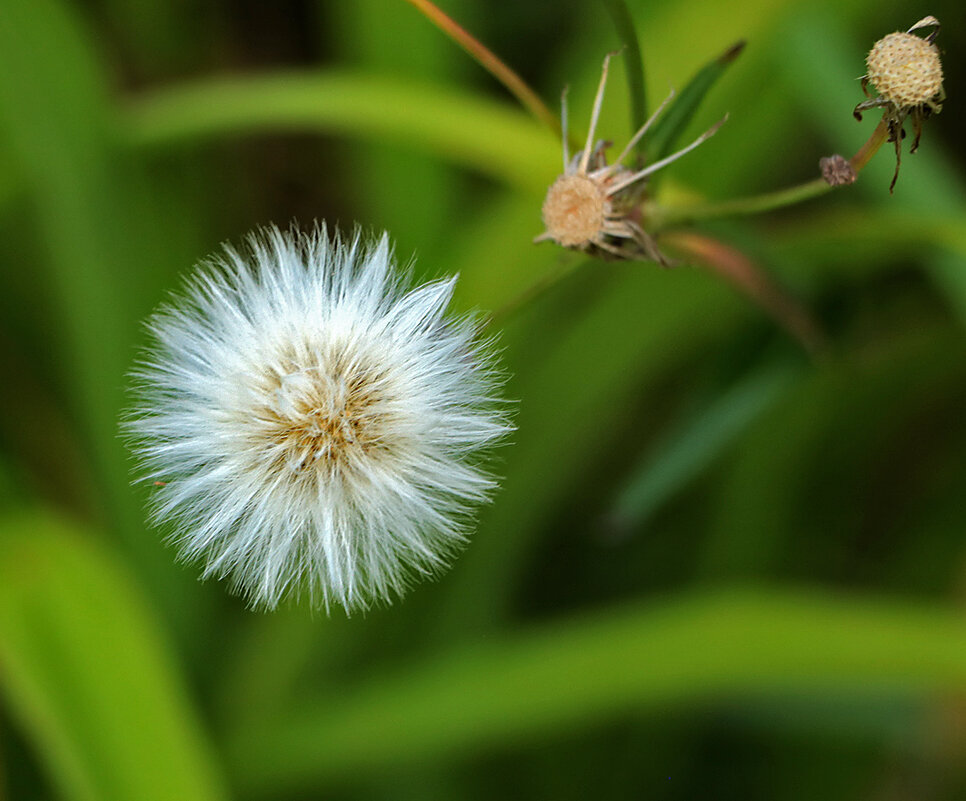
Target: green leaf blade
[
  {"x": 583, "y": 672},
  {"x": 672, "y": 124},
  {"x": 696, "y": 441},
  {"x": 481, "y": 134},
  {"x": 633, "y": 61},
  {"x": 87, "y": 676}
]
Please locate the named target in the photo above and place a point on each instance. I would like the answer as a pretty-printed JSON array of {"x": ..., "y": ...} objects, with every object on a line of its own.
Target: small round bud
[
  {"x": 837, "y": 171},
  {"x": 905, "y": 69},
  {"x": 574, "y": 210}
]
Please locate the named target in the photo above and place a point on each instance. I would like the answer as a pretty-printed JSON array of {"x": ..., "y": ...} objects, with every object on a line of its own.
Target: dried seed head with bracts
[
  {"x": 906, "y": 71},
  {"x": 595, "y": 207}
]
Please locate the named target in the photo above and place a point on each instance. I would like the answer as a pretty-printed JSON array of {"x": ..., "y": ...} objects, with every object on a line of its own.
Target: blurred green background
[{"x": 718, "y": 567}]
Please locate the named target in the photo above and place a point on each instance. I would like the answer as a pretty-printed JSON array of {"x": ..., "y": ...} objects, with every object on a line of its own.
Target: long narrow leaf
[
  {"x": 86, "y": 675},
  {"x": 106, "y": 239},
  {"x": 671, "y": 125},
  {"x": 694, "y": 443},
  {"x": 484, "y": 135},
  {"x": 581, "y": 673},
  {"x": 633, "y": 62}
]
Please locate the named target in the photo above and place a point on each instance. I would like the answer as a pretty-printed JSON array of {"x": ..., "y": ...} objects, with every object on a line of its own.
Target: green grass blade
[
  {"x": 107, "y": 241},
  {"x": 583, "y": 672},
  {"x": 480, "y": 134},
  {"x": 633, "y": 62},
  {"x": 86, "y": 675},
  {"x": 669, "y": 128},
  {"x": 641, "y": 317},
  {"x": 695, "y": 442},
  {"x": 52, "y": 117}
]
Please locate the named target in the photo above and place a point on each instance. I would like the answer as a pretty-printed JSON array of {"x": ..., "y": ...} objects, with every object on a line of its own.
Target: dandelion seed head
[{"x": 315, "y": 424}]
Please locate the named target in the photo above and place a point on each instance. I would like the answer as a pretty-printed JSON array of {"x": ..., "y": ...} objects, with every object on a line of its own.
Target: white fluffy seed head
[{"x": 314, "y": 425}]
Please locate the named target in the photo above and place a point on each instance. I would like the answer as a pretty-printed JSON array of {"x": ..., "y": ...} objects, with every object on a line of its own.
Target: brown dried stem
[
  {"x": 487, "y": 59},
  {"x": 740, "y": 271}
]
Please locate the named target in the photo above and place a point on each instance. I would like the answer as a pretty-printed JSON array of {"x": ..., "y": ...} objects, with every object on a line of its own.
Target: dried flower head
[
  {"x": 906, "y": 72},
  {"x": 314, "y": 424},
  {"x": 594, "y": 206}
]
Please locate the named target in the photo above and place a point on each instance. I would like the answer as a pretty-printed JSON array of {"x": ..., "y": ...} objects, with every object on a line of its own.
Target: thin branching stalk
[
  {"x": 726, "y": 261},
  {"x": 534, "y": 291},
  {"x": 662, "y": 218}
]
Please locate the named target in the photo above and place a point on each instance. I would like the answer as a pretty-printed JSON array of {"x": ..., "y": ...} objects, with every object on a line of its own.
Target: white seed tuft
[{"x": 313, "y": 424}]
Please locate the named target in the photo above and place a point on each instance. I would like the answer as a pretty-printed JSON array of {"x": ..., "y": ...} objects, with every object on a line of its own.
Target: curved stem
[
  {"x": 716, "y": 255},
  {"x": 872, "y": 144},
  {"x": 748, "y": 278},
  {"x": 487, "y": 59},
  {"x": 533, "y": 291},
  {"x": 661, "y": 218}
]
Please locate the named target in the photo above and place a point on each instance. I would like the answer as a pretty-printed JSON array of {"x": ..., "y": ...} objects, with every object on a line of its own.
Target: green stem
[
  {"x": 742, "y": 206},
  {"x": 661, "y": 218},
  {"x": 633, "y": 62},
  {"x": 533, "y": 291}
]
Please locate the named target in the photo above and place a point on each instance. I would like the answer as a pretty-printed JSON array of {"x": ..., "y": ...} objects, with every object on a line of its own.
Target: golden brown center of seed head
[
  {"x": 905, "y": 69},
  {"x": 574, "y": 210},
  {"x": 319, "y": 422}
]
